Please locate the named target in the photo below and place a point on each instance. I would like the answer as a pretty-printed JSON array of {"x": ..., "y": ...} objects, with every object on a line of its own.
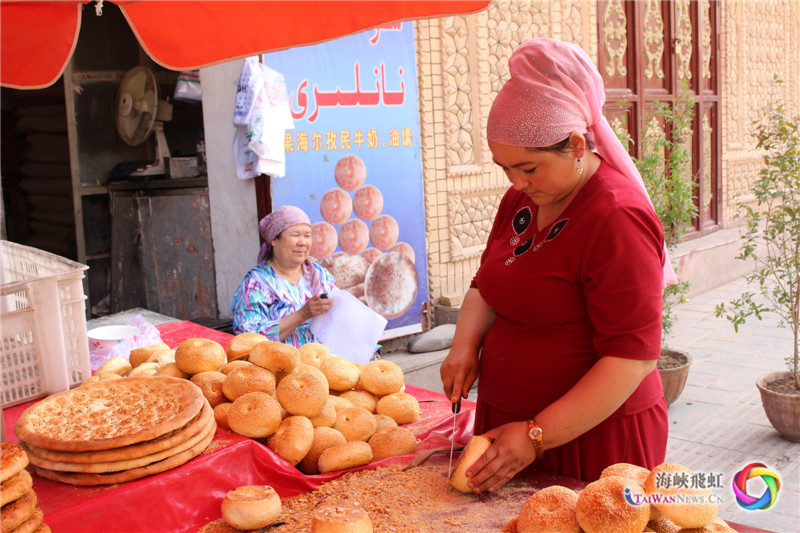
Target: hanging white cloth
[{"x": 261, "y": 117}]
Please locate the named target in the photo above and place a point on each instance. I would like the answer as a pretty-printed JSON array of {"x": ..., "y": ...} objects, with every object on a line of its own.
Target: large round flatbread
[
  {"x": 112, "y": 478},
  {"x": 347, "y": 270},
  {"x": 164, "y": 442},
  {"x": 390, "y": 286},
  {"x": 125, "y": 464},
  {"x": 15, "y": 487},
  {"x": 16, "y": 512},
  {"x": 12, "y": 460},
  {"x": 110, "y": 414}
]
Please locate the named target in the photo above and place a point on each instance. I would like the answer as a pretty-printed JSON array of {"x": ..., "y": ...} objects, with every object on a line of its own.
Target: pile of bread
[
  {"x": 20, "y": 512},
  {"x": 626, "y": 499},
  {"x": 320, "y": 412},
  {"x": 605, "y": 505},
  {"x": 108, "y": 432}
]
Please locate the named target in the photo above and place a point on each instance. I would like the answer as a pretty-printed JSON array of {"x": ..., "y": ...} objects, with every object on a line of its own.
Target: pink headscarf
[
  {"x": 555, "y": 89},
  {"x": 273, "y": 225}
]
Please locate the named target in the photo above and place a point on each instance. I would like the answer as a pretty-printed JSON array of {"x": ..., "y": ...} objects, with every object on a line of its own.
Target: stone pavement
[{"x": 718, "y": 424}]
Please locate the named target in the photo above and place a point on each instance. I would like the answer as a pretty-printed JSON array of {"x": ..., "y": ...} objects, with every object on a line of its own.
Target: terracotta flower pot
[
  {"x": 783, "y": 410},
  {"x": 674, "y": 379}
]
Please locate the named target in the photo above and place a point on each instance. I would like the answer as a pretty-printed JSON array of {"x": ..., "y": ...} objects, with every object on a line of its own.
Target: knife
[{"x": 456, "y": 407}]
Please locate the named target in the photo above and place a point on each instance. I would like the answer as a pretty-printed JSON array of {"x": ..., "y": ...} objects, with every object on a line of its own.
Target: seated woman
[{"x": 285, "y": 289}]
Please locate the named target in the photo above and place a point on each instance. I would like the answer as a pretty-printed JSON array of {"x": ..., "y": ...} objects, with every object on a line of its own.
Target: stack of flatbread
[
  {"x": 110, "y": 432},
  {"x": 20, "y": 512}
]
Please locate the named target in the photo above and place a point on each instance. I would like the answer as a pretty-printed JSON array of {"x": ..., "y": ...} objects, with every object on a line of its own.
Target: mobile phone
[{"x": 324, "y": 295}]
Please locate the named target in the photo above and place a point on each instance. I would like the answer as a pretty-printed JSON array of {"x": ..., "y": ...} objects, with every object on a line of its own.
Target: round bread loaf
[
  {"x": 324, "y": 438},
  {"x": 471, "y": 453},
  {"x": 233, "y": 365},
  {"x": 342, "y": 374},
  {"x": 628, "y": 470},
  {"x": 145, "y": 369},
  {"x": 602, "y": 506},
  {"x": 391, "y": 442},
  {"x": 275, "y": 356},
  {"x": 116, "y": 365},
  {"x": 240, "y": 345},
  {"x": 221, "y": 414},
  {"x": 171, "y": 369},
  {"x": 211, "y": 385},
  {"x": 400, "y": 406},
  {"x": 302, "y": 393},
  {"x": 313, "y": 353},
  {"x": 197, "y": 355},
  {"x": 13, "y": 459},
  {"x": 384, "y": 422},
  {"x": 355, "y": 423},
  {"x": 550, "y": 509},
  {"x": 16, "y": 486},
  {"x": 162, "y": 357},
  {"x": 339, "y": 403},
  {"x": 326, "y": 417},
  {"x": 149, "y": 406},
  {"x": 348, "y": 455},
  {"x": 636, "y": 473},
  {"x": 248, "y": 378},
  {"x": 337, "y": 519},
  {"x": 302, "y": 367},
  {"x": 141, "y": 355},
  {"x": 382, "y": 377},
  {"x": 251, "y": 507},
  {"x": 255, "y": 415},
  {"x": 361, "y": 398},
  {"x": 699, "y": 513},
  {"x": 293, "y": 439}
]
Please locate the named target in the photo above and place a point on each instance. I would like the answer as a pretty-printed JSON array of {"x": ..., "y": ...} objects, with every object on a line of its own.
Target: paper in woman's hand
[{"x": 350, "y": 329}]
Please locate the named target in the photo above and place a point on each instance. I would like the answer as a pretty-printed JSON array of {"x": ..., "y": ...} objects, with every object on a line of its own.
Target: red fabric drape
[
  {"x": 38, "y": 38},
  {"x": 36, "y": 42}
]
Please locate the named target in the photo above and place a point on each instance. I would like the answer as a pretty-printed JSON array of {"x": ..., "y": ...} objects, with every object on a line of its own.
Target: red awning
[{"x": 37, "y": 38}]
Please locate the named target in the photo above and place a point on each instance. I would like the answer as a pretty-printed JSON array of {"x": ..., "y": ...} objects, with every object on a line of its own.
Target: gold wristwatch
[{"x": 535, "y": 434}]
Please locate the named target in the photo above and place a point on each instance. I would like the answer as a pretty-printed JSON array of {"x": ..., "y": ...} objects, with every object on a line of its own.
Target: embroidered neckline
[{"x": 520, "y": 224}]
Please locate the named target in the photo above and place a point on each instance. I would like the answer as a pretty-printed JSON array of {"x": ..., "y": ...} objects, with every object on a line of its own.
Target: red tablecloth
[{"x": 187, "y": 497}]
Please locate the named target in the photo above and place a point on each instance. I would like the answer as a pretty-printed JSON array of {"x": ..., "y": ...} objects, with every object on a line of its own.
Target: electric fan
[{"x": 140, "y": 112}]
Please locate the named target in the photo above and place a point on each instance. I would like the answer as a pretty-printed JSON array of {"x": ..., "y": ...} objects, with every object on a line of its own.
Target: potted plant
[
  {"x": 772, "y": 240},
  {"x": 665, "y": 164}
]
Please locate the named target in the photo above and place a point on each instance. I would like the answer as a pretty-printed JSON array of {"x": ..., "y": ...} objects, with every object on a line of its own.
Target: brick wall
[{"x": 463, "y": 62}]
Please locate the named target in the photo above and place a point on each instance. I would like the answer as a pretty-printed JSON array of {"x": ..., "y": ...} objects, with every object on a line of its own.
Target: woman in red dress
[{"x": 562, "y": 321}]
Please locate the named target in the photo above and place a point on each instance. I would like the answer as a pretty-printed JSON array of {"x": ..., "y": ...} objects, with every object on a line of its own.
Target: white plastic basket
[{"x": 44, "y": 346}]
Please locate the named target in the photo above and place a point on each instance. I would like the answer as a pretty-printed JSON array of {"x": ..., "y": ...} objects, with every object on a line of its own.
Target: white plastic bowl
[{"x": 106, "y": 337}]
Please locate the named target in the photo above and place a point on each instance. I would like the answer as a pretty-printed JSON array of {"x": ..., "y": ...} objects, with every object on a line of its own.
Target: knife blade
[{"x": 456, "y": 407}]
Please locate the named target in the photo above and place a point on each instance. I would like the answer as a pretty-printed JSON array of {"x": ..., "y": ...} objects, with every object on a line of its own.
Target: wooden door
[{"x": 648, "y": 51}]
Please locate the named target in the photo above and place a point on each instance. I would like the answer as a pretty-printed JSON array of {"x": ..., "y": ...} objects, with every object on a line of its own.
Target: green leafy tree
[
  {"x": 665, "y": 163},
  {"x": 772, "y": 232}
]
